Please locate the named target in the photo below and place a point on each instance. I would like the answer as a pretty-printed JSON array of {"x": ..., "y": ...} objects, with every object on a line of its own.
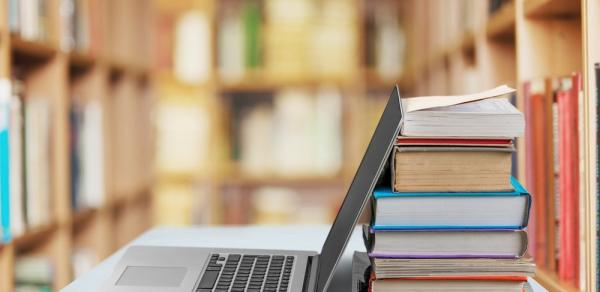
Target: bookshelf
[
  {"x": 521, "y": 41},
  {"x": 452, "y": 47},
  {"x": 91, "y": 72}
]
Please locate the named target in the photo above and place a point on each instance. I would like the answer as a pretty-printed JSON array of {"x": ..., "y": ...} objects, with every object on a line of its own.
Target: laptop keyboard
[{"x": 251, "y": 273}]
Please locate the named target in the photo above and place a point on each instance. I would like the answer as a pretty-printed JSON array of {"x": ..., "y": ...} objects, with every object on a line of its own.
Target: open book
[{"x": 483, "y": 114}]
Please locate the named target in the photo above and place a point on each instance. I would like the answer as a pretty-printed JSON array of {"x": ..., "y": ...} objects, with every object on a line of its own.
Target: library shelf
[
  {"x": 501, "y": 24},
  {"x": 81, "y": 61},
  {"x": 64, "y": 78},
  {"x": 310, "y": 181},
  {"x": 374, "y": 81},
  {"x": 520, "y": 42},
  {"x": 35, "y": 236},
  {"x": 28, "y": 51},
  {"x": 552, "y": 8},
  {"x": 260, "y": 82}
]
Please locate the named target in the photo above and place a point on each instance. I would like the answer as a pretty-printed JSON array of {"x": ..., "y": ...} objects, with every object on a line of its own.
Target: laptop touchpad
[{"x": 152, "y": 276}]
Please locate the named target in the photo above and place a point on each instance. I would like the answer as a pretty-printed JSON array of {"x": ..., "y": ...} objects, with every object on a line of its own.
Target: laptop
[{"x": 179, "y": 269}]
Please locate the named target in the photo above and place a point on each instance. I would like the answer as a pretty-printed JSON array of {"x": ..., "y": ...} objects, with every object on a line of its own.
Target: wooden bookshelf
[
  {"x": 528, "y": 39},
  {"x": 60, "y": 74}
]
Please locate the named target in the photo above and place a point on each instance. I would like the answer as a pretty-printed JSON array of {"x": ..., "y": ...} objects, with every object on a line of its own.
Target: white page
[{"x": 425, "y": 102}]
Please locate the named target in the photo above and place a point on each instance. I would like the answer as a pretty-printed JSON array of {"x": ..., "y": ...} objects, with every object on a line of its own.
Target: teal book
[
  {"x": 460, "y": 210},
  {"x": 4, "y": 169}
]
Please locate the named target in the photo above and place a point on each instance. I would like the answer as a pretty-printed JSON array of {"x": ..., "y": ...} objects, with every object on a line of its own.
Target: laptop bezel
[{"x": 325, "y": 270}]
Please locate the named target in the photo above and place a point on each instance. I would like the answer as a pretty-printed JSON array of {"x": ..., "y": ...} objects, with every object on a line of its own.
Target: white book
[
  {"x": 17, "y": 192},
  {"x": 481, "y": 114},
  {"x": 231, "y": 45},
  {"x": 327, "y": 148},
  {"x": 293, "y": 133},
  {"x": 37, "y": 160},
  {"x": 192, "y": 54},
  {"x": 92, "y": 153}
]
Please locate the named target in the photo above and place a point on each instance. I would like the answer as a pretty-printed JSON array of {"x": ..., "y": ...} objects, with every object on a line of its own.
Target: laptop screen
[{"x": 361, "y": 188}]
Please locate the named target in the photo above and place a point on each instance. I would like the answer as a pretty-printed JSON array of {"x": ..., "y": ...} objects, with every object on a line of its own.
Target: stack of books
[{"x": 452, "y": 218}]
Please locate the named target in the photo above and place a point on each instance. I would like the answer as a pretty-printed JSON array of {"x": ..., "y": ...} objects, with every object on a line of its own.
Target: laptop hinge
[{"x": 310, "y": 277}]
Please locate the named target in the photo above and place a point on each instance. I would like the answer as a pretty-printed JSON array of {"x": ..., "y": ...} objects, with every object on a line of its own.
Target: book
[
  {"x": 473, "y": 268},
  {"x": 597, "y": 76},
  {"x": 17, "y": 169},
  {"x": 87, "y": 155},
  {"x": 5, "y": 161},
  {"x": 251, "y": 15},
  {"x": 192, "y": 48},
  {"x": 37, "y": 160},
  {"x": 457, "y": 210},
  {"x": 33, "y": 270},
  {"x": 451, "y": 169},
  {"x": 482, "y": 114},
  {"x": 536, "y": 165},
  {"x": 449, "y": 285},
  {"x": 568, "y": 125},
  {"x": 445, "y": 243},
  {"x": 29, "y": 19},
  {"x": 231, "y": 40}
]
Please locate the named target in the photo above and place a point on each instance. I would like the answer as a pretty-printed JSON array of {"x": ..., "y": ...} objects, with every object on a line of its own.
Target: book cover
[
  {"x": 536, "y": 167},
  {"x": 5, "y": 234},
  {"x": 568, "y": 123},
  {"x": 369, "y": 234}
]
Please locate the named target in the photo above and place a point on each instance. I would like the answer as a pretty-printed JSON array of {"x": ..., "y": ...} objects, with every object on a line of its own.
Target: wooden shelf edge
[
  {"x": 375, "y": 81},
  {"x": 502, "y": 24},
  {"x": 32, "y": 49},
  {"x": 34, "y": 236},
  {"x": 81, "y": 60},
  {"x": 285, "y": 181},
  {"x": 552, "y": 8},
  {"x": 258, "y": 81},
  {"x": 551, "y": 282}
]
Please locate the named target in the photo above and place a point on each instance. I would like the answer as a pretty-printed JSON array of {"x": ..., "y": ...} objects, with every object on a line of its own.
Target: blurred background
[{"x": 208, "y": 112}]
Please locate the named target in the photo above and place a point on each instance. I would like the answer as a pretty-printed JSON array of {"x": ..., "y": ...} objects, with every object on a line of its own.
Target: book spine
[
  {"x": 568, "y": 267},
  {"x": 5, "y": 167},
  {"x": 549, "y": 174},
  {"x": 597, "y": 71},
  {"x": 536, "y": 166}
]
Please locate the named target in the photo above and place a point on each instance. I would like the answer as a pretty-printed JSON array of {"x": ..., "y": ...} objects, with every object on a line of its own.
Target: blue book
[
  {"x": 4, "y": 169},
  {"x": 460, "y": 210}
]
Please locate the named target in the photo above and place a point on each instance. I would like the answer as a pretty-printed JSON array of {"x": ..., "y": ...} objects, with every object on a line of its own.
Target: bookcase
[
  {"x": 449, "y": 47},
  {"x": 107, "y": 65},
  {"x": 513, "y": 44}
]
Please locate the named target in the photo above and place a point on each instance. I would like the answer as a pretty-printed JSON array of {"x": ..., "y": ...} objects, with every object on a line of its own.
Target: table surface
[{"x": 297, "y": 237}]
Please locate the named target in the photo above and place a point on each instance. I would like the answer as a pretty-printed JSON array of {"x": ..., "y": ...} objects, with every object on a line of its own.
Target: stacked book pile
[{"x": 452, "y": 218}]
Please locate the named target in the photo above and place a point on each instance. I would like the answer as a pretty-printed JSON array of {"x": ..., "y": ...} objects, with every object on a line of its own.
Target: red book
[
  {"x": 568, "y": 154},
  {"x": 491, "y": 278},
  {"x": 536, "y": 171},
  {"x": 454, "y": 142}
]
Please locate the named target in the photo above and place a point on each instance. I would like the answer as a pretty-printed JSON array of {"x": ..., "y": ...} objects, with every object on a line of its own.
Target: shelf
[
  {"x": 82, "y": 216},
  {"x": 32, "y": 237},
  {"x": 314, "y": 181},
  {"x": 257, "y": 82},
  {"x": 376, "y": 82},
  {"x": 26, "y": 51},
  {"x": 551, "y": 282},
  {"x": 119, "y": 67},
  {"x": 501, "y": 24},
  {"x": 465, "y": 45},
  {"x": 552, "y": 8},
  {"x": 81, "y": 62}
]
